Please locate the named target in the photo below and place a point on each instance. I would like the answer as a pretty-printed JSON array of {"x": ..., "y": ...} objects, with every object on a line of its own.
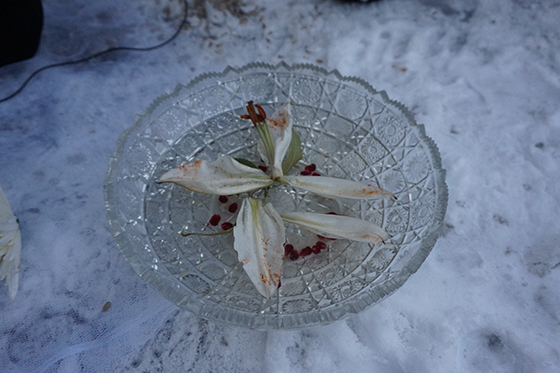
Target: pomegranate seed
[
  {"x": 263, "y": 168},
  {"x": 311, "y": 167},
  {"x": 331, "y": 213},
  {"x": 305, "y": 173},
  {"x": 305, "y": 251},
  {"x": 233, "y": 207},
  {"x": 227, "y": 225},
  {"x": 316, "y": 249},
  {"x": 279, "y": 283},
  {"x": 294, "y": 255},
  {"x": 288, "y": 249},
  {"x": 223, "y": 199},
  {"x": 215, "y": 219},
  {"x": 321, "y": 237},
  {"x": 315, "y": 174},
  {"x": 321, "y": 245}
]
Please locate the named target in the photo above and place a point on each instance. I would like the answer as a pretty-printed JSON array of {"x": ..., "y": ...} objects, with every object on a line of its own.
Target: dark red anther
[
  {"x": 261, "y": 111},
  {"x": 255, "y": 118},
  {"x": 279, "y": 283},
  {"x": 227, "y": 225},
  {"x": 311, "y": 167},
  {"x": 245, "y": 116},
  {"x": 233, "y": 207},
  {"x": 223, "y": 199},
  {"x": 316, "y": 249},
  {"x": 215, "y": 219},
  {"x": 306, "y": 251},
  {"x": 315, "y": 174},
  {"x": 305, "y": 173},
  {"x": 321, "y": 245},
  {"x": 263, "y": 168},
  {"x": 288, "y": 248},
  {"x": 294, "y": 255}
]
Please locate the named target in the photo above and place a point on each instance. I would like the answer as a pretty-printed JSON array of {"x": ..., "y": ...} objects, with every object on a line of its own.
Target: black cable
[{"x": 36, "y": 72}]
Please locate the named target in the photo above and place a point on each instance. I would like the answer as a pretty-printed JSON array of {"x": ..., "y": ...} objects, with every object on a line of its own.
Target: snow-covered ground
[{"x": 483, "y": 76}]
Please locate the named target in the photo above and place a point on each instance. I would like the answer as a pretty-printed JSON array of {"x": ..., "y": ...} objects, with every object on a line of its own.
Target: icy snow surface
[{"x": 483, "y": 76}]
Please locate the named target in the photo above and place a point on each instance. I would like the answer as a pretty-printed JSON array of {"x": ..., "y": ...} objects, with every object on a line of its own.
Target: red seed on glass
[
  {"x": 321, "y": 245},
  {"x": 227, "y": 225},
  {"x": 223, "y": 199},
  {"x": 321, "y": 237},
  {"x": 215, "y": 219},
  {"x": 311, "y": 167},
  {"x": 294, "y": 255},
  {"x": 263, "y": 168},
  {"x": 306, "y": 251},
  {"x": 316, "y": 249},
  {"x": 331, "y": 213},
  {"x": 233, "y": 207},
  {"x": 315, "y": 174},
  {"x": 288, "y": 248},
  {"x": 305, "y": 173}
]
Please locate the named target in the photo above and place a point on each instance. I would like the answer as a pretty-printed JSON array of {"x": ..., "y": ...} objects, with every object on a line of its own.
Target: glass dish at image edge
[{"x": 347, "y": 129}]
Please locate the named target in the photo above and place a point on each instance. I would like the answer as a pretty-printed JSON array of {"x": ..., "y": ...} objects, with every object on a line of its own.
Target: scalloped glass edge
[{"x": 362, "y": 300}]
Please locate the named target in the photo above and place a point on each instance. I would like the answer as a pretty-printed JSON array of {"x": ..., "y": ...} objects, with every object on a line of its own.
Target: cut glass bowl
[{"x": 348, "y": 129}]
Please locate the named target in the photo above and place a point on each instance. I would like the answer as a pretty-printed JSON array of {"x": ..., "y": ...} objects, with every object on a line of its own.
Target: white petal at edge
[
  {"x": 259, "y": 241},
  {"x": 9, "y": 265},
  {"x": 280, "y": 125},
  {"x": 224, "y": 176},
  {"x": 332, "y": 187},
  {"x": 337, "y": 226},
  {"x": 10, "y": 246}
]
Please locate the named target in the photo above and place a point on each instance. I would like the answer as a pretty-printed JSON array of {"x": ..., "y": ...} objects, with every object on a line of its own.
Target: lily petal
[
  {"x": 258, "y": 239},
  {"x": 337, "y": 226},
  {"x": 280, "y": 126},
  {"x": 10, "y": 246},
  {"x": 224, "y": 176},
  {"x": 332, "y": 187}
]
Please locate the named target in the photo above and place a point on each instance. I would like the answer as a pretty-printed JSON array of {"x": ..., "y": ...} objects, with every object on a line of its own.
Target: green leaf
[
  {"x": 294, "y": 153},
  {"x": 246, "y": 162}
]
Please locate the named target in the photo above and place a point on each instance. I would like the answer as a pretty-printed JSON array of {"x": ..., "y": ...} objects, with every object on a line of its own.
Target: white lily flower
[
  {"x": 10, "y": 246},
  {"x": 259, "y": 233},
  {"x": 259, "y": 237},
  {"x": 332, "y": 187},
  {"x": 224, "y": 176},
  {"x": 337, "y": 226}
]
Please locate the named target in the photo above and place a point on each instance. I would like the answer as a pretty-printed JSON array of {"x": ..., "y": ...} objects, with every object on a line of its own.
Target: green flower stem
[
  {"x": 207, "y": 234},
  {"x": 266, "y": 137}
]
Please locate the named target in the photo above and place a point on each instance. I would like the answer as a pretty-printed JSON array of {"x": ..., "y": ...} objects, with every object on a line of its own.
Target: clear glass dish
[{"x": 348, "y": 130}]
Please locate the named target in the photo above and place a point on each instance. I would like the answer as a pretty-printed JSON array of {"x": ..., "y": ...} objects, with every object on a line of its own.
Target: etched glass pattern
[{"x": 348, "y": 130}]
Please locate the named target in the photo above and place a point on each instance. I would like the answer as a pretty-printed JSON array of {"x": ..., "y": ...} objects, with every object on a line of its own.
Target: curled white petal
[
  {"x": 332, "y": 187},
  {"x": 337, "y": 226},
  {"x": 224, "y": 176},
  {"x": 259, "y": 241},
  {"x": 280, "y": 125},
  {"x": 10, "y": 246}
]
